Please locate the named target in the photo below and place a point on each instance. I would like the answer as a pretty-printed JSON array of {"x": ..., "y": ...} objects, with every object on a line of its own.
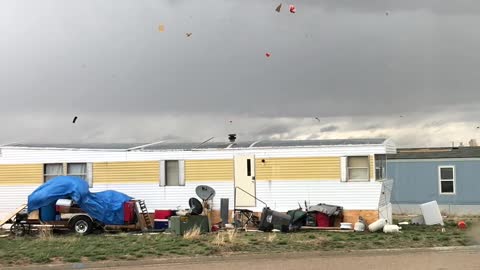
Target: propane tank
[
  {"x": 359, "y": 225},
  {"x": 391, "y": 228},
  {"x": 377, "y": 225}
]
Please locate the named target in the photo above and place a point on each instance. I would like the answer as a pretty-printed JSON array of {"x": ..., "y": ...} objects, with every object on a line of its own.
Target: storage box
[
  {"x": 129, "y": 212},
  {"x": 160, "y": 224},
  {"x": 163, "y": 214},
  {"x": 322, "y": 220},
  {"x": 181, "y": 224},
  {"x": 273, "y": 220}
]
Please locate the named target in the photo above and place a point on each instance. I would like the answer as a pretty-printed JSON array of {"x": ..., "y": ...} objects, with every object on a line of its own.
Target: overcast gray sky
[{"x": 402, "y": 69}]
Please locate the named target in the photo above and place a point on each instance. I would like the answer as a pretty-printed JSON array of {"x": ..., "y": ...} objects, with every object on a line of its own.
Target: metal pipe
[{"x": 252, "y": 196}]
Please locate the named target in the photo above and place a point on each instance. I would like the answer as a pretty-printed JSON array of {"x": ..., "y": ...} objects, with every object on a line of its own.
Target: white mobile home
[{"x": 349, "y": 173}]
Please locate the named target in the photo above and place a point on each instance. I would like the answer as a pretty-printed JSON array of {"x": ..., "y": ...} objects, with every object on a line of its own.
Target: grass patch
[
  {"x": 72, "y": 259},
  {"x": 72, "y": 248}
]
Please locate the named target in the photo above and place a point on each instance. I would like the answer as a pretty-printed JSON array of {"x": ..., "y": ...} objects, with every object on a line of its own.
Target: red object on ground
[
  {"x": 267, "y": 54},
  {"x": 322, "y": 220},
  {"x": 162, "y": 214},
  {"x": 215, "y": 228},
  {"x": 292, "y": 9},
  {"x": 129, "y": 212},
  {"x": 462, "y": 225}
]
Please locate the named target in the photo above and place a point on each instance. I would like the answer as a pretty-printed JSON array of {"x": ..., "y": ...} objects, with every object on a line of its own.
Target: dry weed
[
  {"x": 45, "y": 232},
  {"x": 219, "y": 239},
  {"x": 232, "y": 236},
  {"x": 192, "y": 234},
  {"x": 271, "y": 237}
]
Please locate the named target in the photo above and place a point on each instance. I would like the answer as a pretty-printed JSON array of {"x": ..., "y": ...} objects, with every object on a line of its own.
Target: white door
[{"x": 244, "y": 181}]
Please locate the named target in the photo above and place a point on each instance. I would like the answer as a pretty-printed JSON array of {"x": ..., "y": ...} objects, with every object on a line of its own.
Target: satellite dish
[
  {"x": 196, "y": 207},
  {"x": 205, "y": 192}
]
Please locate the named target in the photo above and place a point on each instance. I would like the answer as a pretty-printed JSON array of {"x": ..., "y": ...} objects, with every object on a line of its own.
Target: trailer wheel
[
  {"x": 18, "y": 229},
  {"x": 81, "y": 225}
]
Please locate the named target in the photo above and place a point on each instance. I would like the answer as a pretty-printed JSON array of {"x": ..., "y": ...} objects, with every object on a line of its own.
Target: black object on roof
[{"x": 436, "y": 153}]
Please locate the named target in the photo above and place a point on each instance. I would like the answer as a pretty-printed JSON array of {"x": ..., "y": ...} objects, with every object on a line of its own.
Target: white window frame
[
  {"x": 45, "y": 175},
  {"x": 181, "y": 173},
  {"x": 88, "y": 175},
  {"x": 348, "y": 170},
  {"x": 440, "y": 180},
  {"x": 86, "y": 169}
]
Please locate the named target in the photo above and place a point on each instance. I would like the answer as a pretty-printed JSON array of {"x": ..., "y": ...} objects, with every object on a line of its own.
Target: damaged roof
[
  {"x": 436, "y": 153},
  {"x": 170, "y": 145}
]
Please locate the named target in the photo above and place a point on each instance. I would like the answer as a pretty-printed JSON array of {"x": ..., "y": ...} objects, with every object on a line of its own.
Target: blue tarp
[{"x": 105, "y": 206}]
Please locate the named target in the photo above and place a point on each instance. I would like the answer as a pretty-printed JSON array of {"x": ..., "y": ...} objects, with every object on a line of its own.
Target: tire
[
  {"x": 81, "y": 225},
  {"x": 18, "y": 229}
]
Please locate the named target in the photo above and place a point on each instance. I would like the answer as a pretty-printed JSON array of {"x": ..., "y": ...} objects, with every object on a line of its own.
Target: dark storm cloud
[
  {"x": 273, "y": 129},
  {"x": 437, "y": 123},
  {"x": 392, "y": 6},
  {"x": 106, "y": 62},
  {"x": 329, "y": 128},
  {"x": 110, "y": 58},
  {"x": 373, "y": 126}
]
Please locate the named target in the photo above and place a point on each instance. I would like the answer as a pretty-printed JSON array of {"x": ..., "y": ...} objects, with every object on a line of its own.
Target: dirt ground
[{"x": 425, "y": 260}]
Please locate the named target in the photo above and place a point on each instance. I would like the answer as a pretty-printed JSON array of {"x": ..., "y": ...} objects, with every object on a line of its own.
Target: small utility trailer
[{"x": 70, "y": 216}]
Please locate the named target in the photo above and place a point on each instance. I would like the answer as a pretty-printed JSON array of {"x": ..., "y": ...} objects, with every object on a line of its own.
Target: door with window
[{"x": 244, "y": 181}]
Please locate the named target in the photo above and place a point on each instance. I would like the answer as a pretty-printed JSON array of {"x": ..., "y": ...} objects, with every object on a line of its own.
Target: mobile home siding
[
  {"x": 35, "y": 156},
  {"x": 21, "y": 174},
  {"x": 126, "y": 172},
  {"x": 417, "y": 182},
  {"x": 209, "y": 170},
  {"x": 286, "y": 195},
  {"x": 319, "y": 168}
]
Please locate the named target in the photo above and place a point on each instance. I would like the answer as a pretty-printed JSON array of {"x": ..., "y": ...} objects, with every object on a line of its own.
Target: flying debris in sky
[
  {"x": 318, "y": 119},
  {"x": 267, "y": 54},
  {"x": 293, "y": 9},
  {"x": 478, "y": 127},
  {"x": 387, "y": 13},
  {"x": 161, "y": 28},
  {"x": 401, "y": 116},
  {"x": 188, "y": 34},
  {"x": 74, "y": 119},
  {"x": 278, "y": 8}
]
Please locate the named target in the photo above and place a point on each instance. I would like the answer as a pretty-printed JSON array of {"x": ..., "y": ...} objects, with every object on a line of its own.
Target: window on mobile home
[
  {"x": 380, "y": 167},
  {"x": 447, "y": 179},
  {"x": 357, "y": 168},
  {"x": 52, "y": 170},
  {"x": 77, "y": 169},
  {"x": 172, "y": 176}
]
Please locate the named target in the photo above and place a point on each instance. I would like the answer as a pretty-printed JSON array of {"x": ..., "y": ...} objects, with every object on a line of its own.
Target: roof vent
[
  {"x": 232, "y": 137},
  {"x": 472, "y": 142}
]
